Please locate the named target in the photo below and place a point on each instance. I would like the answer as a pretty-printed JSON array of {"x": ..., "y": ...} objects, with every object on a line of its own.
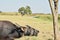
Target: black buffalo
[
  {"x": 9, "y": 31},
  {"x": 29, "y": 31}
]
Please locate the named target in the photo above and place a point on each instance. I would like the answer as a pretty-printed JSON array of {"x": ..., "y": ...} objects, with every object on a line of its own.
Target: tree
[
  {"x": 21, "y": 10},
  {"x": 28, "y": 10},
  {"x": 54, "y": 9},
  {"x": 25, "y": 10}
]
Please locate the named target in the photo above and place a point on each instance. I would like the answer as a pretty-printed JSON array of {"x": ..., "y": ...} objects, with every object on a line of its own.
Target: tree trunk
[{"x": 54, "y": 9}]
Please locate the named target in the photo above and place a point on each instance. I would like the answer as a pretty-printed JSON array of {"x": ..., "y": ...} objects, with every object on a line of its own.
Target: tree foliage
[
  {"x": 25, "y": 10},
  {"x": 28, "y": 9},
  {"x": 21, "y": 10}
]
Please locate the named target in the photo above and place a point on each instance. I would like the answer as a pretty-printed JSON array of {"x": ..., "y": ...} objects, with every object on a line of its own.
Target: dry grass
[{"x": 44, "y": 26}]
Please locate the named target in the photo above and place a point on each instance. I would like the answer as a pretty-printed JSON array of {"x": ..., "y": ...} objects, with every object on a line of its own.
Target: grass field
[{"x": 43, "y": 23}]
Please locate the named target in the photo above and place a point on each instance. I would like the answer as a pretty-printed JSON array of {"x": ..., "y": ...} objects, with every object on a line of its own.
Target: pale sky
[{"x": 37, "y": 6}]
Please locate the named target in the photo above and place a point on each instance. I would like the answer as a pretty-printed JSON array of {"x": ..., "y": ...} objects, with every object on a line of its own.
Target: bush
[
  {"x": 50, "y": 39},
  {"x": 37, "y": 17},
  {"x": 0, "y": 11}
]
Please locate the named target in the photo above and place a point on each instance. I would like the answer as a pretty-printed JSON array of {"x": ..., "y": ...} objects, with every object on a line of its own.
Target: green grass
[
  {"x": 47, "y": 17},
  {"x": 44, "y": 17}
]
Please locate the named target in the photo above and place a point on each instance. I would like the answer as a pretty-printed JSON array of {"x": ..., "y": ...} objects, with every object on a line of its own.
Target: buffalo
[
  {"x": 29, "y": 31},
  {"x": 10, "y": 31}
]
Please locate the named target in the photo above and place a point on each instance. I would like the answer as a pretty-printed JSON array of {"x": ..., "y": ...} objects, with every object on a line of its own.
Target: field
[{"x": 43, "y": 23}]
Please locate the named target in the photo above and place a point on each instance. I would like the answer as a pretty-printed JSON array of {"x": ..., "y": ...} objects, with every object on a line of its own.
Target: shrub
[
  {"x": 50, "y": 39},
  {"x": 0, "y": 11}
]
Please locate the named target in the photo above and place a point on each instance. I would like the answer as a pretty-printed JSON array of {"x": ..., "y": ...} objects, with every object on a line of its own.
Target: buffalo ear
[{"x": 23, "y": 28}]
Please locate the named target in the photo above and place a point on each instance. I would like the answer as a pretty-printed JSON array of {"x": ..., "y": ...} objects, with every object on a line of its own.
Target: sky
[{"x": 37, "y": 6}]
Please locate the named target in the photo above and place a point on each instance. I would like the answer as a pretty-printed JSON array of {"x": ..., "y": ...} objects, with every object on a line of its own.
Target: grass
[
  {"x": 48, "y": 18},
  {"x": 43, "y": 23}
]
